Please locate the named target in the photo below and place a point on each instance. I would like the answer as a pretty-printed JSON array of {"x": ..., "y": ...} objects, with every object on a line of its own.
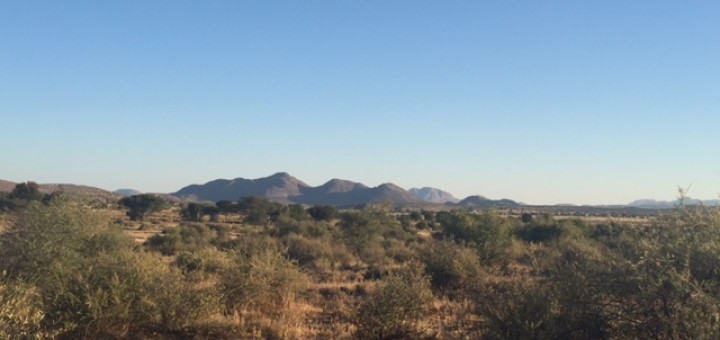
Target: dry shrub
[{"x": 21, "y": 311}]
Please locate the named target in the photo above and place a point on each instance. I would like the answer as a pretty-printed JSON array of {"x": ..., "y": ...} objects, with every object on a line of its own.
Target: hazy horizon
[{"x": 567, "y": 102}]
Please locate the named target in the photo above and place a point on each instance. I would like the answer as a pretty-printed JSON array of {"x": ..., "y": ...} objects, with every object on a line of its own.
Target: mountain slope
[
  {"x": 433, "y": 195},
  {"x": 6, "y": 186},
  {"x": 127, "y": 192}
]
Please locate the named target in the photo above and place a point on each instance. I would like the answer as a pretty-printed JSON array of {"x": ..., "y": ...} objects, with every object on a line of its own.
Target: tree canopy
[{"x": 140, "y": 206}]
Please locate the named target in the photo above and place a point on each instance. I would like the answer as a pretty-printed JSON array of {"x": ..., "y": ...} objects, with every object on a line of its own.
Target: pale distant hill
[
  {"x": 653, "y": 204},
  {"x": 127, "y": 192},
  {"x": 283, "y": 188},
  {"x": 433, "y": 195}
]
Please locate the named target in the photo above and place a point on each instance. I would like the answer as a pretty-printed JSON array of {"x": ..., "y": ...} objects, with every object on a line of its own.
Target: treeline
[{"x": 281, "y": 271}]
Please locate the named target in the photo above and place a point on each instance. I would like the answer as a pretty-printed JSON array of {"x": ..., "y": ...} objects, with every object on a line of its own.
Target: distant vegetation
[{"x": 141, "y": 267}]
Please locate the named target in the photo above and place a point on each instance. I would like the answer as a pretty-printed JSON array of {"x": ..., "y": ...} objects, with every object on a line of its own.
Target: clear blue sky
[{"x": 539, "y": 101}]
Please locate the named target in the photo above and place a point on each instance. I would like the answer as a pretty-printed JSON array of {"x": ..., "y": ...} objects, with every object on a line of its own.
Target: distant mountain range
[
  {"x": 653, "y": 204},
  {"x": 284, "y": 188}
]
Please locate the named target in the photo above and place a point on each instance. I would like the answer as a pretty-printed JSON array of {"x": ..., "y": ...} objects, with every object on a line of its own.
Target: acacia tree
[
  {"x": 142, "y": 205},
  {"x": 322, "y": 212},
  {"x": 27, "y": 191},
  {"x": 258, "y": 211}
]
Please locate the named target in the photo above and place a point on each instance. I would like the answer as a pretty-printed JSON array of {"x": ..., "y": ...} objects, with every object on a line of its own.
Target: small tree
[
  {"x": 194, "y": 212},
  {"x": 322, "y": 212},
  {"x": 142, "y": 205},
  {"x": 258, "y": 211},
  {"x": 226, "y": 207}
]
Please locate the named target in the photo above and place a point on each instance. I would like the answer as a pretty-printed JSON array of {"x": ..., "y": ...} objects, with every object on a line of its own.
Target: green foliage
[
  {"x": 398, "y": 302},
  {"x": 29, "y": 191},
  {"x": 306, "y": 251},
  {"x": 539, "y": 232},
  {"x": 192, "y": 212},
  {"x": 295, "y": 212},
  {"x": 365, "y": 231},
  {"x": 659, "y": 282},
  {"x": 286, "y": 226},
  {"x": 258, "y": 211},
  {"x": 520, "y": 309},
  {"x": 195, "y": 212},
  {"x": 205, "y": 260},
  {"x": 186, "y": 237},
  {"x": 488, "y": 232},
  {"x": 22, "y": 195},
  {"x": 6, "y": 203},
  {"x": 88, "y": 277},
  {"x": 265, "y": 280},
  {"x": 140, "y": 206},
  {"x": 226, "y": 207},
  {"x": 56, "y": 237},
  {"x": 451, "y": 266}
]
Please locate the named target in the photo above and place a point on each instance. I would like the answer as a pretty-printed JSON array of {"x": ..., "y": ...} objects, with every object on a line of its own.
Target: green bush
[
  {"x": 307, "y": 251},
  {"x": 394, "y": 308},
  {"x": 265, "y": 280},
  {"x": 48, "y": 240},
  {"x": 205, "y": 260},
  {"x": 487, "y": 232},
  {"x": 186, "y": 237},
  {"x": 451, "y": 266}
]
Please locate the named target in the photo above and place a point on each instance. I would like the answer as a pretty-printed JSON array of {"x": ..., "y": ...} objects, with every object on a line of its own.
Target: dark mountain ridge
[
  {"x": 478, "y": 201},
  {"x": 283, "y": 188},
  {"x": 278, "y": 187}
]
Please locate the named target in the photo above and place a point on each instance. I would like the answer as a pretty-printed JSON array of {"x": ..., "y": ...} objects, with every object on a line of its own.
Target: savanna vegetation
[{"x": 144, "y": 268}]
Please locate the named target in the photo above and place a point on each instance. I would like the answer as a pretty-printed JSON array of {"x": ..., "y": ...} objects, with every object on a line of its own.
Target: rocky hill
[
  {"x": 483, "y": 202},
  {"x": 73, "y": 189},
  {"x": 278, "y": 187}
]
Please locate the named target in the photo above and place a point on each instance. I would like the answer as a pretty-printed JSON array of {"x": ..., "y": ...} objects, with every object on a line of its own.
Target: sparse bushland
[{"x": 263, "y": 270}]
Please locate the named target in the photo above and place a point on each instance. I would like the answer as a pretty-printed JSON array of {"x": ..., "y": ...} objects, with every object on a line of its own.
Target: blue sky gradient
[{"x": 587, "y": 102}]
